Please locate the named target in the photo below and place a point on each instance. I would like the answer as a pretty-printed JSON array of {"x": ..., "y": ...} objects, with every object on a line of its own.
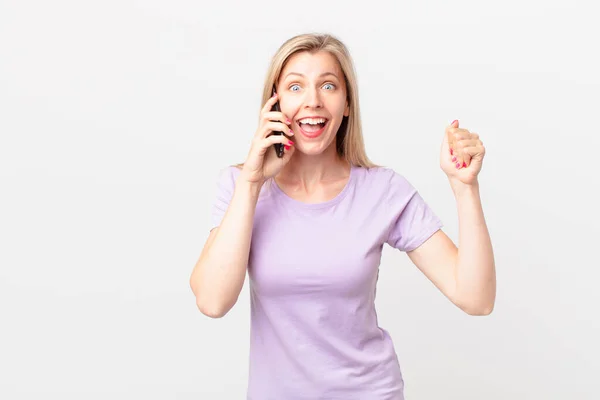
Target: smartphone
[{"x": 278, "y": 146}]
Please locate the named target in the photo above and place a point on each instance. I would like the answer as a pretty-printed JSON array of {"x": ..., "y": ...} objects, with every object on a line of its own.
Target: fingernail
[
  {"x": 288, "y": 121},
  {"x": 464, "y": 164},
  {"x": 457, "y": 165},
  {"x": 291, "y": 143},
  {"x": 291, "y": 132},
  {"x": 452, "y": 123},
  {"x": 454, "y": 159},
  {"x": 288, "y": 147},
  {"x": 451, "y": 152}
]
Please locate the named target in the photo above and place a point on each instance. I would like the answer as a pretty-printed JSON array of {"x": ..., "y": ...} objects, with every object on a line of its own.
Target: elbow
[
  {"x": 207, "y": 307},
  {"x": 211, "y": 308},
  {"x": 212, "y": 312},
  {"x": 479, "y": 310},
  {"x": 479, "y": 303},
  {"x": 476, "y": 307}
]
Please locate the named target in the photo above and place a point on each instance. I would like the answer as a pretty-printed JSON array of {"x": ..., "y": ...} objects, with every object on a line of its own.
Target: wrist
[{"x": 461, "y": 189}]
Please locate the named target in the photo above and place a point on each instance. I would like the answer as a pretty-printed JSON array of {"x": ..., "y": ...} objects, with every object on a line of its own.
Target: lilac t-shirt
[{"x": 313, "y": 270}]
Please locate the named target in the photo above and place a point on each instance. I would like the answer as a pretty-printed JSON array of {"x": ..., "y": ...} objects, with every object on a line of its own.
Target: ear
[{"x": 346, "y": 109}]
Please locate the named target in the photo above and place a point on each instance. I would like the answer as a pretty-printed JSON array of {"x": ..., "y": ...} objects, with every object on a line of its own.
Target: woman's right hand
[{"x": 262, "y": 163}]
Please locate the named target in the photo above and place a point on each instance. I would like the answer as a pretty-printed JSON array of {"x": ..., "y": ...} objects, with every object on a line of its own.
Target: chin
[{"x": 315, "y": 148}]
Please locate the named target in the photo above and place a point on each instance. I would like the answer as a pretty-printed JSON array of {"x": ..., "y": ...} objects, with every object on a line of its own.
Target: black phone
[{"x": 278, "y": 146}]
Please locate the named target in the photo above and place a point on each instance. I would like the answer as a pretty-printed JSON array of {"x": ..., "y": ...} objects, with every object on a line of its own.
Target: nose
[{"x": 313, "y": 99}]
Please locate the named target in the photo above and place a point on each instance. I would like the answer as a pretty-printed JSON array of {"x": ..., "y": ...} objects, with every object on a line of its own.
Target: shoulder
[
  {"x": 226, "y": 176},
  {"x": 384, "y": 181},
  {"x": 224, "y": 182},
  {"x": 230, "y": 170}
]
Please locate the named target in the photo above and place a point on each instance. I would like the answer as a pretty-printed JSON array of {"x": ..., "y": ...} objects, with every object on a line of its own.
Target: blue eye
[
  {"x": 291, "y": 88},
  {"x": 329, "y": 84}
]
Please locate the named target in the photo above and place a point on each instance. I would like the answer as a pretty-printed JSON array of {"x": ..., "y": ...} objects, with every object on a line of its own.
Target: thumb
[{"x": 448, "y": 139}]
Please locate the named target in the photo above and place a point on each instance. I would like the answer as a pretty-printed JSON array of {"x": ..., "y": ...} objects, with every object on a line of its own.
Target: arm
[
  {"x": 219, "y": 274},
  {"x": 465, "y": 275}
]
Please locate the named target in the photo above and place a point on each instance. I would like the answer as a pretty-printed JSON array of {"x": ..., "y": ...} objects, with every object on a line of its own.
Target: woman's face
[{"x": 312, "y": 94}]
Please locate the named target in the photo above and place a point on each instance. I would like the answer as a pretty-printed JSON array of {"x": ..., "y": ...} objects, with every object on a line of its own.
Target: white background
[{"x": 116, "y": 116}]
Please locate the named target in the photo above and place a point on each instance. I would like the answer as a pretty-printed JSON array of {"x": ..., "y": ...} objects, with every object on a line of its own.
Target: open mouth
[{"x": 312, "y": 126}]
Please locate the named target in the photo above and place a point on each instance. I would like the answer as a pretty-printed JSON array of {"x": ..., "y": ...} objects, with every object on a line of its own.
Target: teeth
[{"x": 312, "y": 121}]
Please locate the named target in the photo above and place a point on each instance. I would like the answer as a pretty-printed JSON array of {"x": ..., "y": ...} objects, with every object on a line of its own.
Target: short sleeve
[
  {"x": 225, "y": 186},
  {"x": 413, "y": 221}
]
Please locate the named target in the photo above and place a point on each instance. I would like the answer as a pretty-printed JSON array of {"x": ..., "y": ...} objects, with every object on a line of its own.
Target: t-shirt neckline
[{"x": 297, "y": 203}]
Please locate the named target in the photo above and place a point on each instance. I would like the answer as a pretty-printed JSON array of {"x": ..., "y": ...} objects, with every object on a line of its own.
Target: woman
[{"x": 309, "y": 228}]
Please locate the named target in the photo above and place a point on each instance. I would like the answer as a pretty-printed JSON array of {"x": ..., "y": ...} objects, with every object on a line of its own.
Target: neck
[{"x": 307, "y": 170}]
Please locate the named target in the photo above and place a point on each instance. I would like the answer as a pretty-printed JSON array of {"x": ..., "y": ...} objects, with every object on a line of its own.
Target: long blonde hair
[{"x": 349, "y": 138}]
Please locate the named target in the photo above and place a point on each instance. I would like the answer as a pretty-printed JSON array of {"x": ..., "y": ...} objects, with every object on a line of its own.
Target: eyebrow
[{"x": 320, "y": 76}]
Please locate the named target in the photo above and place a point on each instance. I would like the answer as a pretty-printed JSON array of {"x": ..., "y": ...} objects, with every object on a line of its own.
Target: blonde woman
[{"x": 309, "y": 227}]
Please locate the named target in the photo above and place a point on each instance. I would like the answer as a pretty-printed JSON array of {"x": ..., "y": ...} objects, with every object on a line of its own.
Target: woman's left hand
[{"x": 462, "y": 154}]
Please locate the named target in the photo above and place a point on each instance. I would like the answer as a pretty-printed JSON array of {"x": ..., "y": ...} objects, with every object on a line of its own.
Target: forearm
[
  {"x": 475, "y": 267},
  {"x": 221, "y": 270}
]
